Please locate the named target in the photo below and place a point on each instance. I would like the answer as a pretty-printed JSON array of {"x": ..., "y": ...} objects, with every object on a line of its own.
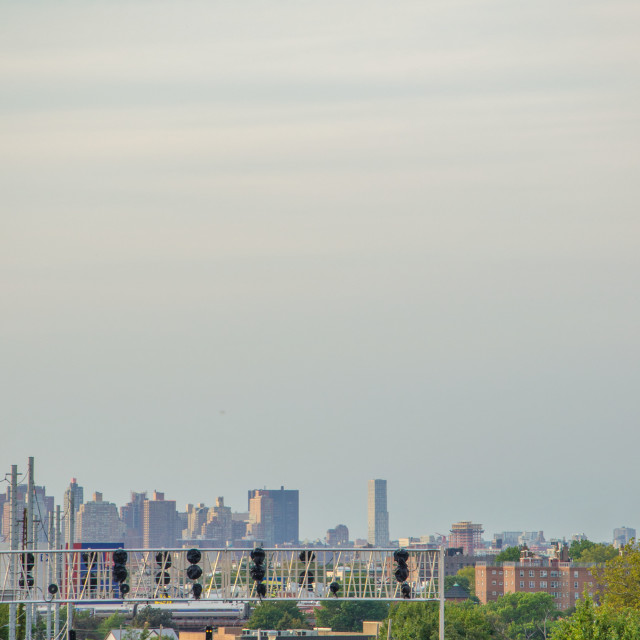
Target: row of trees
[{"x": 517, "y": 616}]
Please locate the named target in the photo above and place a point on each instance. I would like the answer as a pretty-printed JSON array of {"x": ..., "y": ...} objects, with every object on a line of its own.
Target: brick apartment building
[{"x": 565, "y": 581}]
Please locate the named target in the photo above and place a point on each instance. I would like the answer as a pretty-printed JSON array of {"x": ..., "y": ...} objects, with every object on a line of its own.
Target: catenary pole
[
  {"x": 69, "y": 557},
  {"x": 30, "y": 495},
  {"x": 50, "y": 568},
  {"x": 441, "y": 593},
  {"x": 13, "y": 545},
  {"x": 58, "y": 572}
]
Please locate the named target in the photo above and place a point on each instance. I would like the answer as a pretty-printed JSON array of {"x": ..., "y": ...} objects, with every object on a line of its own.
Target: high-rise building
[
  {"x": 98, "y": 521},
  {"x": 159, "y": 522},
  {"x": 75, "y": 491},
  {"x": 337, "y": 537},
  {"x": 274, "y": 516},
  {"x": 466, "y": 535},
  {"x": 196, "y": 517},
  {"x": 377, "y": 514},
  {"x": 132, "y": 515},
  {"x": 42, "y": 505},
  {"x": 623, "y": 536},
  {"x": 219, "y": 523}
]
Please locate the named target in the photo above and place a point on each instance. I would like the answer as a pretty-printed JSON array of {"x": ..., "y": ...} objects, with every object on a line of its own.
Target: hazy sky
[{"x": 311, "y": 243}]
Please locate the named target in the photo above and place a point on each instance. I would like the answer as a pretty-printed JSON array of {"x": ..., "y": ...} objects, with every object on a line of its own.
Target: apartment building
[{"x": 565, "y": 581}]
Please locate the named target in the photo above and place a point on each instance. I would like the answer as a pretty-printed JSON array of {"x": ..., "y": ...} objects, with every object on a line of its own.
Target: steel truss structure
[{"x": 302, "y": 574}]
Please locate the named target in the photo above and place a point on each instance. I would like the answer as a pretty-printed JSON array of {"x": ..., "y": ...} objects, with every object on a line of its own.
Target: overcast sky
[{"x": 250, "y": 244}]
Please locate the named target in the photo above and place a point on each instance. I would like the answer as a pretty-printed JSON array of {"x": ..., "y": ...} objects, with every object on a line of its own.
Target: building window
[
  {"x": 532, "y": 573},
  {"x": 575, "y": 574},
  {"x": 575, "y": 585},
  {"x": 501, "y": 584},
  {"x": 543, "y": 574},
  {"x": 493, "y": 582},
  {"x": 576, "y": 596},
  {"x": 494, "y": 572},
  {"x": 500, "y": 572},
  {"x": 522, "y": 584},
  {"x": 554, "y": 574},
  {"x": 532, "y": 585},
  {"x": 554, "y": 584},
  {"x": 493, "y": 593},
  {"x": 521, "y": 573},
  {"x": 543, "y": 584}
]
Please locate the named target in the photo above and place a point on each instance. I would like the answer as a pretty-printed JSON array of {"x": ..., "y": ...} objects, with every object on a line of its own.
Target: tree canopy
[
  {"x": 578, "y": 547},
  {"x": 594, "y": 623},
  {"x": 4, "y": 621},
  {"x": 522, "y": 616},
  {"x": 598, "y": 553},
  {"x": 341, "y": 615},
  {"x": 510, "y": 554},
  {"x": 516, "y": 616},
  {"x": 619, "y": 579},
  {"x": 277, "y": 616},
  {"x": 468, "y": 574}
]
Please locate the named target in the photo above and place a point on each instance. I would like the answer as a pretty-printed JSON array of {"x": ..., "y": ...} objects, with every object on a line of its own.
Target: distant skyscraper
[
  {"x": 159, "y": 522},
  {"x": 98, "y": 521},
  {"x": 274, "y": 515},
  {"x": 337, "y": 537},
  {"x": 77, "y": 492},
  {"x": 132, "y": 514},
  {"x": 623, "y": 536},
  {"x": 43, "y": 504},
  {"x": 466, "y": 535},
  {"x": 219, "y": 523},
  {"x": 377, "y": 514}
]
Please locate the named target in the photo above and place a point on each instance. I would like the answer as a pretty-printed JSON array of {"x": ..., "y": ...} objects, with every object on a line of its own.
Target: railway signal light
[
  {"x": 208, "y": 633},
  {"x": 400, "y": 557},
  {"x": 197, "y": 591},
  {"x": 28, "y": 561},
  {"x": 193, "y": 570},
  {"x": 257, "y": 570},
  {"x": 119, "y": 571},
  {"x": 163, "y": 560},
  {"x": 401, "y": 574},
  {"x": 307, "y": 576},
  {"x": 334, "y": 587}
]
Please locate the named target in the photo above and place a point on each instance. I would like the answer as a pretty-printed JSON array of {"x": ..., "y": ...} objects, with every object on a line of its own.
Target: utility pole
[
  {"x": 69, "y": 557},
  {"x": 58, "y": 573},
  {"x": 13, "y": 545},
  {"x": 441, "y": 592},
  {"x": 30, "y": 495},
  {"x": 50, "y": 567}
]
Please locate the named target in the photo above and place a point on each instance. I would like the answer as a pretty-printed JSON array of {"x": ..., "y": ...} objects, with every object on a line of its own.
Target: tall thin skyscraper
[
  {"x": 77, "y": 492},
  {"x": 377, "y": 514}
]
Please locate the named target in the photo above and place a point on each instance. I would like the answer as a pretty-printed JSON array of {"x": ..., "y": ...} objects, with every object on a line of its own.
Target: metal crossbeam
[{"x": 86, "y": 576}]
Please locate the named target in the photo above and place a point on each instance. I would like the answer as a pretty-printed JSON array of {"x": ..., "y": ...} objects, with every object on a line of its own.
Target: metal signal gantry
[{"x": 147, "y": 575}]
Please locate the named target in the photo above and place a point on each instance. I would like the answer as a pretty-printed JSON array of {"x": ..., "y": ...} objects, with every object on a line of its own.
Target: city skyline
[
  {"x": 309, "y": 244},
  {"x": 358, "y": 530}
]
